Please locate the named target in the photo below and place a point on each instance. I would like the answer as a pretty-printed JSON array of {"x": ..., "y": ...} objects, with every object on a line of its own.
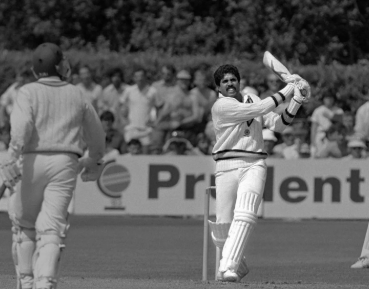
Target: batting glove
[
  {"x": 91, "y": 170},
  {"x": 305, "y": 91},
  {"x": 10, "y": 174},
  {"x": 293, "y": 78}
]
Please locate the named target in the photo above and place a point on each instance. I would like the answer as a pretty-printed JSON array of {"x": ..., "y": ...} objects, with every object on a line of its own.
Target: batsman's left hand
[
  {"x": 10, "y": 173},
  {"x": 304, "y": 88}
]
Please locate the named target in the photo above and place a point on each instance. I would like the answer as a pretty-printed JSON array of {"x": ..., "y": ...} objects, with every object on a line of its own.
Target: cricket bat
[{"x": 275, "y": 66}]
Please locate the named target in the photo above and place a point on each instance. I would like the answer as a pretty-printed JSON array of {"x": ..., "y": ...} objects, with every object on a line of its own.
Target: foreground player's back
[{"x": 51, "y": 114}]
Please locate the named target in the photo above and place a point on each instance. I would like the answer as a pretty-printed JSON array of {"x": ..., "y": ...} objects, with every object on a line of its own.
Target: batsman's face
[{"x": 229, "y": 85}]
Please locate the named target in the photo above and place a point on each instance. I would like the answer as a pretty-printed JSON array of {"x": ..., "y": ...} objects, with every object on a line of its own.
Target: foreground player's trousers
[
  {"x": 46, "y": 189},
  {"x": 38, "y": 210},
  {"x": 239, "y": 193}
]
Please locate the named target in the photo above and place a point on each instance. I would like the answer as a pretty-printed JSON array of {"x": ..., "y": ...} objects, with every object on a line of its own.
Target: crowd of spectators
[{"x": 172, "y": 116}]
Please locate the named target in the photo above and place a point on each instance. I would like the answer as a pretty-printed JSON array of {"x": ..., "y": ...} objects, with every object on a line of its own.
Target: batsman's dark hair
[{"x": 223, "y": 70}]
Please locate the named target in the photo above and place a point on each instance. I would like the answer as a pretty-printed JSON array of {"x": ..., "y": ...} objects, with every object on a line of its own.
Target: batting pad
[
  {"x": 219, "y": 233},
  {"x": 242, "y": 226},
  {"x": 46, "y": 260},
  {"x": 24, "y": 244}
]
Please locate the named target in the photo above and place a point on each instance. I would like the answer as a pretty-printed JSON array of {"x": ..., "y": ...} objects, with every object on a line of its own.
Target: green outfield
[{"x": 158, "y": 252}]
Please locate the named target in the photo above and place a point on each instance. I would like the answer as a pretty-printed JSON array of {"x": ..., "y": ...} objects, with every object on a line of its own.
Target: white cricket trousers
[
  {"x": 41, "y": 201},
  {"x": 238, "y": 196},
  {"x": 233, "y": 184}
]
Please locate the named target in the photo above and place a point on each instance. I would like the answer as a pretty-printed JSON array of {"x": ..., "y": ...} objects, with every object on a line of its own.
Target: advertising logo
[{"x": 114, "y": 180}]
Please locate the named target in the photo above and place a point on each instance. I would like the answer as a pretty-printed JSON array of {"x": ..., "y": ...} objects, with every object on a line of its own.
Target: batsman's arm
[
  {"x": 277, "y": 122},
  {"x": 228, "y": 111}
]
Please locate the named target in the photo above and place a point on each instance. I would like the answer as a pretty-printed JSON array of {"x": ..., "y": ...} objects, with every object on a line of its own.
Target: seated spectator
[
  {"x": 356, "y": 149},
  {"x": 178, "y": 145},
  {"x": 202, "y": 144},
  {"x": 90, "y": 89},
  {"x": 139, "y": 100},
  {"x": 134, "y": 147},
  {"x": 269, "y": 142},
  {"x": 322, "y": 118},
  {"x": 334, "y": 144},
  {"x": 116, "y": 138},
  {"x": 305, "y": 151},
  {"x": 348, "y": 121},
  {"x": 288, "y": 149},
  {"x": 156, "y": 149}
]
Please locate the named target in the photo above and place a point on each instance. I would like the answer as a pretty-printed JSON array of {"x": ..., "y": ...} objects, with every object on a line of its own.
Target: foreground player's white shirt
[
  {"x": 45, "y": 119},
  {"x": 238, "y": 129}
]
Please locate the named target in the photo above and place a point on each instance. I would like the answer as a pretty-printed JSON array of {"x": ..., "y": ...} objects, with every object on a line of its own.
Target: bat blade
[{"x": 274, "y": 65}]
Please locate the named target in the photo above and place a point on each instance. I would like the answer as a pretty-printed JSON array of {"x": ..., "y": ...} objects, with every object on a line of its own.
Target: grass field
[{"x": 158, "y": 252}]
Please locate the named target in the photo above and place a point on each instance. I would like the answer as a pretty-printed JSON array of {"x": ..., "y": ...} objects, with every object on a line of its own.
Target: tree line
[{"x": 301, "y": 31}]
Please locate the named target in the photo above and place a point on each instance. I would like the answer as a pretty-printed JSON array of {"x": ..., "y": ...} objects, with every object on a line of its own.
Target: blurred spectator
[
  {"x": 114, "y": 137},
  {"x": 269, "y": 142},
  {"x": 8, "y": 97},
  {"x": 205, "y": 96},
  {"x": 5, "y": 137},
  {"x": 305, "y": 151},
  {"x": 178, "y": 145},
  {"x": 210, "y": 134},
  {"x": 110, "y": 153},
  {"x": 356, "y": 149},
  {"x": 156, "y": 149},
  {"x": 348, "y": 121},
  {"x": 89, "y": 88},
  {"x": 74, "y": 77},
  {"x": 139, "y": 99},
  {"x": 250, "y": 85},
  {"x": 273, "y": 85},
  {"x": 202, "y": 145},
  {"x": 134, "y": 147},
  {"x": 169, "y": 97},
  {"x": 362, "y": 122},
  {"x": 187, "y": 113},
  {"x": 289, "y": 149},
  {"x": 111, "y": 96},
  {"x": 334, "y": 144},
  {"x": 321, "y": 119}
]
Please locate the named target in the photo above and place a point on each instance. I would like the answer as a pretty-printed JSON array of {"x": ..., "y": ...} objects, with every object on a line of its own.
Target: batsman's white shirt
[{"x": 238, "y": 129}]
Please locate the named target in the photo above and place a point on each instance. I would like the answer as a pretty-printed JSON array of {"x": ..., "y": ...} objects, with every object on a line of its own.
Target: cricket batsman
[
  {"x": 50, "y": 125},
  {"x": 240, "y": 161}
]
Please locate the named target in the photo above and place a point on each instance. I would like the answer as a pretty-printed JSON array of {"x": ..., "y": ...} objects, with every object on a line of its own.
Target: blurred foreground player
[
  {"x": 50, "y": 123},
  {"x": 240, "y": 161}
]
